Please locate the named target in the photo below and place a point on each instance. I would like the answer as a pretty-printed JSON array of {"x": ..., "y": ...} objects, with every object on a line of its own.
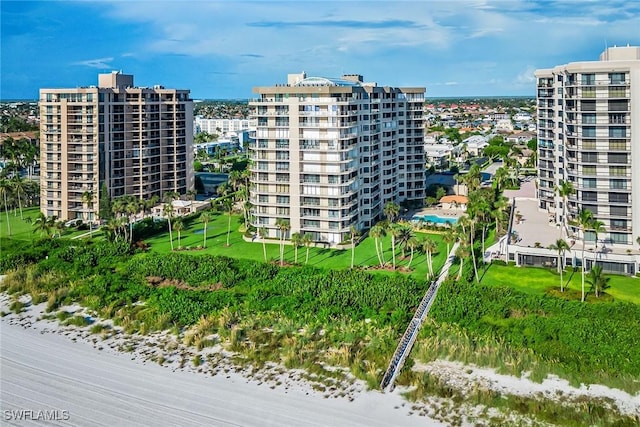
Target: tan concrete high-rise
[
  {"x": 136, "y": 140},
  {"x": 328, "y": 154},
  {"x": 589, "y": 136}
]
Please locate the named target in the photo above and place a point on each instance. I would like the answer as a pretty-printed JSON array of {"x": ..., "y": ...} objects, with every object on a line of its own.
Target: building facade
[
  {"x": 589, "y": 135},
  {"x": 136, "y": 140},
  {"x": 221, "y": 126},
  {"x": 328, "y": 154}
]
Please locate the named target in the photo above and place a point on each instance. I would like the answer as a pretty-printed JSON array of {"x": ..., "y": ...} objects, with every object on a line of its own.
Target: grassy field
[
  {"x": 23, "y": 229},
  {"x": 537, "y": 281},
  {"x": 365, "y": 253}
]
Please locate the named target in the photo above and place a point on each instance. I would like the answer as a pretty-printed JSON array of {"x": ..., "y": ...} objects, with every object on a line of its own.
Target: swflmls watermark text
[{"x": 35, "y": 415}]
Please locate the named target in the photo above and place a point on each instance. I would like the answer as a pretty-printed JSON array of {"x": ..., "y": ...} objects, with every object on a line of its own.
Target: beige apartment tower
[
  {"x": 327, "y": 154},
  {"x": 589, "y": 135},
  {"x": 136, "y": 140}
]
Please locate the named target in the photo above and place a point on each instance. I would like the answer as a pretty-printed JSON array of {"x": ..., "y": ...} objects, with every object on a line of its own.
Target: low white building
[
  {"x": 476, "y": 144},
  {"x": 504, "y": 125},
  {"x": 438, "y": 155},
  {"x": 222, "y": 126}
]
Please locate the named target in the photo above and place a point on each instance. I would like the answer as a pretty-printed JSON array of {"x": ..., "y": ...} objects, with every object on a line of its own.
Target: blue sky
[{"x": 221, "y": 49}]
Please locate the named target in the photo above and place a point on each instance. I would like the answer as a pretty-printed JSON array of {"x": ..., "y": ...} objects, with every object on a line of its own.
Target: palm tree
[
  {"x": 296, "y": 240},
  {"x": 178, "y": 225},
  {"x": 597, "y": 280},
  {"x": 353, "y": 231},
  {"x": 564, "y": 190},
  {"x": 391, "y": 211},
  {"x": 585, "y": 217},
  {"x": 306, "y": 241},
  {"x": 429, "y": 246},
  {"x": 561, "y": 246},
  {"x": 87, "y": 198},
  {"x": 42, "y": 224},
  {"x": 227, "y": 205},
  {"x": 283, "y": 226},
  {"x": 263, "y": 235},
  {"x": 5, "y": 188},
  {"x": 59, "y": 227},
  {"x": 500, "y": 178},
  {"x": 449, "y": 237},
  {"x": 412, "y": 243},
  {"x": 167, "y": 210},
  {"x": 131, "y": 209},
  {"x": 18, "y": 186},
  {"x": 377, "y": 232},
  {"x": 394, "y": 230},
  {"x": 462, "y": 252},
  {"x": 470, "y": 222},
  {"x": 205, "y": 218}
]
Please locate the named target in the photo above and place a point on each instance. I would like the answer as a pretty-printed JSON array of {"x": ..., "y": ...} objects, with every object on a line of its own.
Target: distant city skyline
[{"x": 220, "y": 50}]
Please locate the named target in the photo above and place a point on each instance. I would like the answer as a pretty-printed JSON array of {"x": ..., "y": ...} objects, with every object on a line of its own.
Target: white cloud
[
  {"x": 526, "y": 76},
  {"x": 100, "y": 63}
]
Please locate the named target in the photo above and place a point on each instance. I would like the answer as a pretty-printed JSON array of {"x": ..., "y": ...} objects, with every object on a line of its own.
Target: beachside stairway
[{"x": 410, "y": 335}]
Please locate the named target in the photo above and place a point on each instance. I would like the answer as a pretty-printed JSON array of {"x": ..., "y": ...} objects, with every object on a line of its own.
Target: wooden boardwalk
[{"x": 409, "y": 337}]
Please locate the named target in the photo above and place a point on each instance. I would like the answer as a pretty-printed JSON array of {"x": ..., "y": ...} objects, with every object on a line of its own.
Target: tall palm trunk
[
  {"x": 561, "y": 267},
  {"x": 170, "y": 233},
  {"x": 583, "y": 263},
  {"x": 410, "y": 258},
  {"x": 228, "y": 228},
  {"x": 353, "y": 250},
  {"x": 6, "y": 209},
  {"x": 393, "y": 250},
  {"x": 473, "y": 256},
  {"x": 264, "y": 249},
  {"x": 204, "y": 232}
]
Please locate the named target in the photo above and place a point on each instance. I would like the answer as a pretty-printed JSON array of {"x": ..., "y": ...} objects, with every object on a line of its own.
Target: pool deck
[{"x": 455, "y": 213}]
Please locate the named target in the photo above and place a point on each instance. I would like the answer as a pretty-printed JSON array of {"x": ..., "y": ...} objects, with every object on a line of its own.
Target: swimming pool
[{"x": 435, "y": 219}]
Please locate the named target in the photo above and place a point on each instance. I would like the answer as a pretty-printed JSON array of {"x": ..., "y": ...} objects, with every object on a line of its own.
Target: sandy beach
[{"x": 42, "y": 369}]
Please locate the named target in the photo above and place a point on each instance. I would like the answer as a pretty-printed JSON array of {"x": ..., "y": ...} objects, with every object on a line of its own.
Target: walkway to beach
[{"x": 409, "y": 337}]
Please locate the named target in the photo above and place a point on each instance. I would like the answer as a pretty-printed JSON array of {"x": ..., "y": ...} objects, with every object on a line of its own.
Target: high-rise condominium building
[
  {"x": 136, "y": 140},
  {"x": 589, "y": 136},
  {"x": 328, "y": 154}
]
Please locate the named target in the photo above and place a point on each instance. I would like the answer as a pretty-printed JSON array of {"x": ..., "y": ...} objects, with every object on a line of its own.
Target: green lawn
[
  {"x": 533, "y": 280},
  {"x": 23, "y": 229},
  {"x": 365, "y": 253}
]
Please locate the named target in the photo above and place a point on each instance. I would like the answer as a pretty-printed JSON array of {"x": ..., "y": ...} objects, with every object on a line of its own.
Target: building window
[
  {"x": 589, "y": 118},
  {"x": 263, "y": 198},
  {"x": 618, "y": 105},
  {"x": 617, "y": 144},
  {"x": 589, "y": 182},
  {"x": 618, "y": 158},
  {"x": 619, "y": 238},
  {"x": 618, "y": 184},
  {"x": 618, "y": 211},
  {"x": 616, "y": 78},
  {"x": 588, "y": 170},
  {"x": 589, "y": 131},
  {"x": 617, "y": 132},
  {"x": 618, "y": 198},
  {"x": 619, "y": 224},
  {"x": 617, "y": 170},
  {"x": 589, "y": 196},
  {"x": 588, "y": 157},
  {"x": 588, "y": 79}
]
